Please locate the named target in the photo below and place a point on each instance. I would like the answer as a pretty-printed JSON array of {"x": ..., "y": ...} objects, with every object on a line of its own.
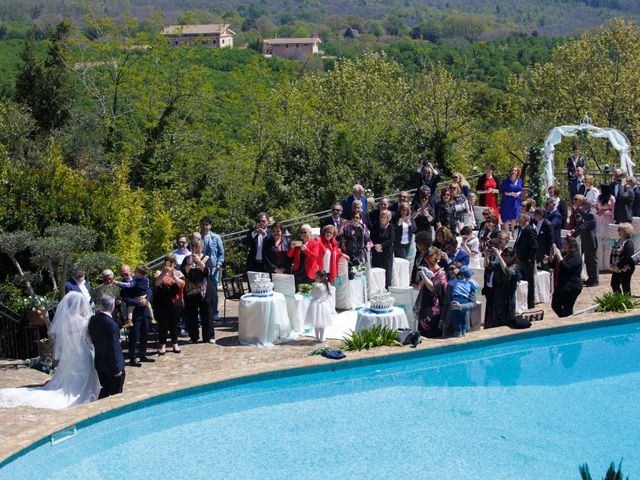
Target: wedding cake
[
  {"x": 262, "y": 286},
  {"x": 381, "y": 302}
]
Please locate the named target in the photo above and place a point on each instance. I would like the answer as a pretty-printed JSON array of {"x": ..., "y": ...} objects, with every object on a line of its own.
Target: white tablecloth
[
  {"x": 544, "y": 287},
  {"x": 297, "y": 306},
  {"x": 395, "y": 319},
  {"x": 401, "y": 272},
  {"x": 357, "y": 290},
  {"x": 263, "y": 321},
  {"x": 521, "y": 296},
  {"x": 405, "y": 298},
  {"x": 343, "y": 293},
  {"x": 376, "y": 280}
]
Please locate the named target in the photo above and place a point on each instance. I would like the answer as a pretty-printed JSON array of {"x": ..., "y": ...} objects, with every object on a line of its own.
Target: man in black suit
[
  {"x": 526, "y": 247},
  {"x": 140, "y": 329},
  {"x": 335, "y": 218},
  {"x": 623, "y": 209},
  {"x": 105, "y": 335},
  {"x": 586, "y": 226},
  {"x": 255, "y": 240},
  {"x": 576, "y": 185},
  {"x": 545, "y": 237},
  {"x": 574, "y": 162},
  {"x": 403, "y": 197}
]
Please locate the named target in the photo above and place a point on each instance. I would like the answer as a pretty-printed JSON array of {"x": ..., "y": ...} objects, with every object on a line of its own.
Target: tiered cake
[
  {"x": 381, "y": 302},
  {"x": 262, "y": 286}
]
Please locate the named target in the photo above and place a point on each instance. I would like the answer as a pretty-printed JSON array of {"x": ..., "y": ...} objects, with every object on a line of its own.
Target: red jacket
[
  {"x": 336, "y": 253},
  {"x": 311, "y": 258}
]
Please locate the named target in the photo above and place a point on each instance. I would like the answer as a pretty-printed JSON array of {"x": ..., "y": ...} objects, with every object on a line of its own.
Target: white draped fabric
[
  {"x": 263, "y": 321},
  {"x": 376, "y": 280},
  {"x": 405, "y": 298},
  {"x": 401, "y": 272},
  {"x": 618, "y": 141},
  {"x": 396, "y": 319},
  {"x": 75, "y": 380},
  {"x": 358, "y": 290},
  {"x": 343, "y": 294}
]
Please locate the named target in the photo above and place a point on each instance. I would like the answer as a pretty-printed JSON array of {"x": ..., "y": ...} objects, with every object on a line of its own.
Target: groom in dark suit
[{"x": 109, "y": 360}]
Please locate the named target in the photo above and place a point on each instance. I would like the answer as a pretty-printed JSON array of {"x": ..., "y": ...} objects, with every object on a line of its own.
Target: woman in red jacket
[
  {"x": 304, "y": 253},
  {"x": 329, "y": 252}
]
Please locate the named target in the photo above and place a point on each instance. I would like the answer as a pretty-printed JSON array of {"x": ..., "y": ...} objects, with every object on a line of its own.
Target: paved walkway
[{"x": 201, "y": 364}]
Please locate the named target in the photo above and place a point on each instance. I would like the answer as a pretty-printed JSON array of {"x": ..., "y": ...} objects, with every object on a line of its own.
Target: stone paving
[{"x": 206, "y": 363}]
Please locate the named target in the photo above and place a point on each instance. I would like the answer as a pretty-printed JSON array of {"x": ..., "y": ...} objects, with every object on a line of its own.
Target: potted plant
[{"x": 37, "y": 309}]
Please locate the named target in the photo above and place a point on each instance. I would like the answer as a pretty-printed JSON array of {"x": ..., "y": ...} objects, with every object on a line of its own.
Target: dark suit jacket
[
  {"x": 570, "y": 275},
  {"x": 347, "y": 203},
  {"x": 526, "y": 246},
  {"x": 575, "y": 189},
  {"x": 374, "y": 218},
  {"x": 105, "y": 336},
  {"x": 635, "y": 210},
  {"x": 545, "y": 239},
  {"x": 622, "y": 211},
  {"x": 72, "y": 286},
  {"x": 129, "y": 296},
  {"x": 555, "y": 219},
  {"x": 329, "y": 220},
  {"x": 586, "y": 228},
  {"x": 252, "y": 242},
  {"x": 562, "y": 208}
]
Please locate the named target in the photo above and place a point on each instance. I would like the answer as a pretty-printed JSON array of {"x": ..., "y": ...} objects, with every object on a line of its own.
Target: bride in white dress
[{"x": 75, "y": 380}]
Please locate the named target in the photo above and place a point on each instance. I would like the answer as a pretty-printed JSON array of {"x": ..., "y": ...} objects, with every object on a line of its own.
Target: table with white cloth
[
  {"x": 394, "y": 319},
  {"x": 401, "y": 272},
  {"x": 376, "y": 280},
  {"x": 341, "y": 282},
  {"x": 263, "y": 320}
]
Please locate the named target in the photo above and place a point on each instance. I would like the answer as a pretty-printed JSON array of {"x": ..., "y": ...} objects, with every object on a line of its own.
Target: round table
[
  {"x": 395, "y": 319},
  {"x": 263, "y": 320}
]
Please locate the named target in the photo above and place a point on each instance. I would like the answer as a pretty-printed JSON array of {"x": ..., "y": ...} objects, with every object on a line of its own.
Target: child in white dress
[{"x": 319, "y": 311}]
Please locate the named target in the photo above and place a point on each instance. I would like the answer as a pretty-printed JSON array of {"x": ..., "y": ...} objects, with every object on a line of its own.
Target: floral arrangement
[
  {"x": 356, "y": 269},
  {"x": 305, "y": 288},
  {"x": 37, "y": 302}
]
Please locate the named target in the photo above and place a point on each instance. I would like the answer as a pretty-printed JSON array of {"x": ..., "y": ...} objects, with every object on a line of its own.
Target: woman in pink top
[{"x": 604, "y": 206}]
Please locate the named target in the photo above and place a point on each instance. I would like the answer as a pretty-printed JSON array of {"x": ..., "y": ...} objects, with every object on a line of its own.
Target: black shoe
[
  {"x": 147, "y": 360},
  {"x": 134, "y": 363},
  {"x": 192, "y": 341}
]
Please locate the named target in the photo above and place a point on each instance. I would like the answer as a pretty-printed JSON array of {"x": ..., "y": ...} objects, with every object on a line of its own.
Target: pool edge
[{"x": 326, "y": 367}]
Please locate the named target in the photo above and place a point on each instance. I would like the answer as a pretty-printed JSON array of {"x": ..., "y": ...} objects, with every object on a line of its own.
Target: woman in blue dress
[{"x": 511, "y": 191}]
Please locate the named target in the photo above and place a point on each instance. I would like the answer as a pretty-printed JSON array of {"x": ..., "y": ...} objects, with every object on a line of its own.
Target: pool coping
[{"x": 286, "y": 372}]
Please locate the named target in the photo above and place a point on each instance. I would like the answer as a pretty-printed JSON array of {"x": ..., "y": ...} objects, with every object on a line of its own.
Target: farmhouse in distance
[{"x": 216, "y": 35}]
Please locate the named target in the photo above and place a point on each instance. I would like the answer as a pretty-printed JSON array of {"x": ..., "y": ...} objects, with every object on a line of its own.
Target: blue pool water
[{"x": 529, "y": 409}]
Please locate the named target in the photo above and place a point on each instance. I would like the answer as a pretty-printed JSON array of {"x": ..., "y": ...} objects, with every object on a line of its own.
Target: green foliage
[
  {"x": 536, "y": 175},
  {"x": 11, "y": 296},
  {"x": 376, "y": 336},
  {"x": 616, "y": 302},
  {"x": 612, "y": 472},
  {"x": 93, "y": 263}
]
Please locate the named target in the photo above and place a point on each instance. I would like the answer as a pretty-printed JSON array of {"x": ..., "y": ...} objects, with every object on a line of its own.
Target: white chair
[
  {"x": 343, "y": 293},
  {"x": 283, "y": 283},
  {"x": 401, "y": 272},
  {"x": 405, "y": 298},
  {"x": 376, "y": 280}
]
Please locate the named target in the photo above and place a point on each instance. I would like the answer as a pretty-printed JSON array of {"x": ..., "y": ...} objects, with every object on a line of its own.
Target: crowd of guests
[{"x": 436, "y": 229}]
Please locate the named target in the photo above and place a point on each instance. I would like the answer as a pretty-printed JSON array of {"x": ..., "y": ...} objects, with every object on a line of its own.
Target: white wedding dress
[{"x": 75, "y": 380}]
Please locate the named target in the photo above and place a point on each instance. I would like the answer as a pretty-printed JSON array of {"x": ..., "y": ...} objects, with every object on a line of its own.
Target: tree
[
  {"x": 596, "y": 73},
  {"x": 46, "y": 88},
  {"x": 11, "y": 244}
]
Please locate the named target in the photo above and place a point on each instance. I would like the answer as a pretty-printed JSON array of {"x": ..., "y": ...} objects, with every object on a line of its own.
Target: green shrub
[
  {"x": 612, "y": 473},
  {"x": 616, "y": 302},
  {"x": 11, "y": 296},
  {"x": 376, "y": 336}
]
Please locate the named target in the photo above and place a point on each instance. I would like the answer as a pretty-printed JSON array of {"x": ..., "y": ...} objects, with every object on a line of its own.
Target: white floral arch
[{"x": 618, "y": 140}]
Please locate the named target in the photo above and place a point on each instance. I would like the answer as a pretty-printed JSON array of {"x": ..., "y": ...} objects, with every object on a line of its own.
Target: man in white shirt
[
  {"x": 182, "y": 251},
  {"x": 255, "y": 240}
]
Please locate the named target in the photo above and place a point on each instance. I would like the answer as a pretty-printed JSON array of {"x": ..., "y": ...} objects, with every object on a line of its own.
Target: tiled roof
[
  {"x": 280, "y": 41},
  {"x": 197, "y": 29}
]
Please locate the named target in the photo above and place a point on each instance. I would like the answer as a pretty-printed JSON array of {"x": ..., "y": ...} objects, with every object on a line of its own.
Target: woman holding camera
[
  {"x": 304, "y": 253},
  {"x": 569, "y": 277},
  {"x": 430, "y": 301},
  {"x": 501, "y": 277},
  {"x": 405, "y": 228},
  {"x": 168, "y": 302}
]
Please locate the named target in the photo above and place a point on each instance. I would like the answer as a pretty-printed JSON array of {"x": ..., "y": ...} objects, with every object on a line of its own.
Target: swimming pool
[{"x": 533, "y": 408}]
